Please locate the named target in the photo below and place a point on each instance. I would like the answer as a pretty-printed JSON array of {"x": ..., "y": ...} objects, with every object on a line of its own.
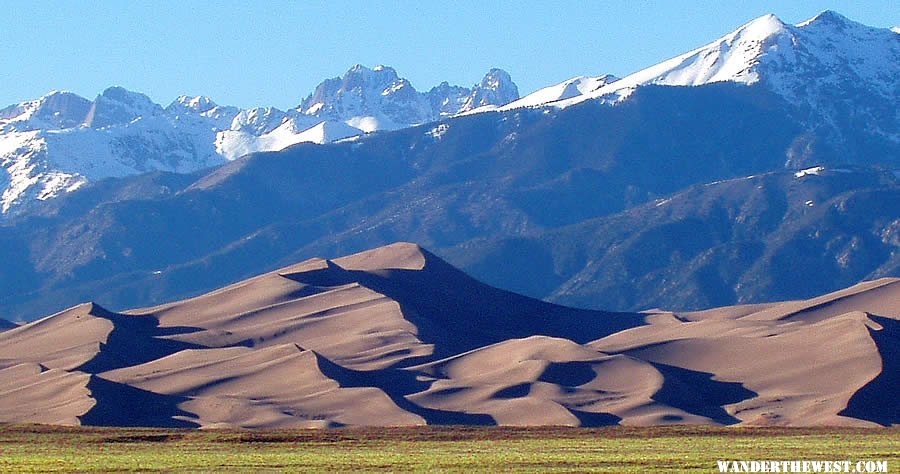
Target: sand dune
[
  {"x": 805, "y": 360},
  {"x": 549, "y": 381},
  {"x": 396, "y": 336},
  {"x": 64, "y": 340},
  {"x": 30, "y": 393},
  {"x": 274, "y": 387}
]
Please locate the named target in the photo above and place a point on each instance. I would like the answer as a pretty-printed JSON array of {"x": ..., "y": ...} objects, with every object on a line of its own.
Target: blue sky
[{"x": 274, "y": 53}]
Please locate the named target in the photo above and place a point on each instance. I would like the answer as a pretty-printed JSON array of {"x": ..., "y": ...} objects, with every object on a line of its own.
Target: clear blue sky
[{"x": 250, "y": 53}]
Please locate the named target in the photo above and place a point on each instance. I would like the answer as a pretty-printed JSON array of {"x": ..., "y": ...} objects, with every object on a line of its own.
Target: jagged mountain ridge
[
  {"x": 378, "y": 99},
  {"x": 61, "y": 141}
]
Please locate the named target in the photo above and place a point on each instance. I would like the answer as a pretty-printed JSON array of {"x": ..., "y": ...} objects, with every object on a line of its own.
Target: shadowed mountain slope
[{"x": 759, "y": 238}]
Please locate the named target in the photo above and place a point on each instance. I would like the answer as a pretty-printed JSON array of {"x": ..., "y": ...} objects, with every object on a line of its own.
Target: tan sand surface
[{"x": 396, "y": 336}]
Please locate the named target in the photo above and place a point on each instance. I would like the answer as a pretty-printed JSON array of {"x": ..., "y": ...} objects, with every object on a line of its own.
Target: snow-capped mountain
[
  {"x": 834, "y": 70},
  {"x": 61, "y": 141},
  {"x": 378, "y": 99},
  {"x": 369, "y": 99},
  {"x": 494, "y": 90},
  {"x": 57, "y": 109}
]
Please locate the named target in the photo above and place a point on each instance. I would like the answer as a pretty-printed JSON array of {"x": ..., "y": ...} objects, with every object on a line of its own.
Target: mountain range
[
  {"x": 396, "y": 336},
  {"x": 61, "y": 141},
  {"x": 710, "y": 179}
]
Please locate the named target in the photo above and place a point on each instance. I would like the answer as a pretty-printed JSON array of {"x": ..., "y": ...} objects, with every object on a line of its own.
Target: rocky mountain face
[
  {"x": 378, "y": 98},
  {"x": 56, "y": 144}
]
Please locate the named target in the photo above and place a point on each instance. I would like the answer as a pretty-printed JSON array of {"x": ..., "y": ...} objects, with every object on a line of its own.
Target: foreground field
[{"x": 35, "y": 448}]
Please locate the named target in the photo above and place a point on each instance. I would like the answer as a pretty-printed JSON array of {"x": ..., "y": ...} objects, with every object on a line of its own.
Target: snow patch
[
  {"x": 814, "y": 171},
  {"x": 439, "y": 131}
]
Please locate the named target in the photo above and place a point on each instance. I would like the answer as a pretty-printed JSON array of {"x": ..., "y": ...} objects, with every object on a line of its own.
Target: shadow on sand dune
[
  {"x": 879, "y": 401},
  {"x": 134, "y": 340},
  {"x": 697, "y": 393},
  {"x": 593, "y": 420},
  {"x": 458, "y": 313},
  {"x": 397, "y": 384},
  {"x": 123, "y": 405}
]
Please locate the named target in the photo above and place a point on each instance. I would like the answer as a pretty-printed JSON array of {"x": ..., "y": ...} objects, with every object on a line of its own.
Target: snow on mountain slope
[
  {"x": 326, "y": 132},
  {"x": 782, "y": 56},
  {"x": 58, "y": 109},
  {"x": 61, "y": 141},
  {"x": 836, "y": 71},
  {"x": 40, "y": 164},
  {"x": 575, "y": 87},
  {"x": 730, "y": 58},
  {"x": 203, "y": 108},
  {"x": 233, "y": 144}
]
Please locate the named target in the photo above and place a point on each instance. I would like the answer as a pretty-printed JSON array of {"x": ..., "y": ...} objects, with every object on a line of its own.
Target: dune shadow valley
[{"x": 395, "y": 336}]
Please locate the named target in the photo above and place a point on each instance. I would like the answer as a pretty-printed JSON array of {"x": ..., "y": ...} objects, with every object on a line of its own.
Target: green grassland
[{"x": 34, "y": 448}]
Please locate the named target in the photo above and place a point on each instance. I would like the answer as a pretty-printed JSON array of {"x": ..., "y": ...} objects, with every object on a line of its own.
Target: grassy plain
[{"x": 433, "y": 449}]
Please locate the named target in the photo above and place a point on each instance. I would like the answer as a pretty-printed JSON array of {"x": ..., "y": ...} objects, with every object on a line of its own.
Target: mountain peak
[
  {"x": 198, "y": 104},
  {"x": 55, "y": 109},
  {"x": 363, "y": 97},
  {"x": 121, "y": 94},
  {"x": 56, "y": 93},
  {"x": 495, "y": 89},
  {"x": 381, "y": 71},
  {"x": 760, "y": 28},
  {"x": 496, "y": 79},
  {"x": 796, "y": 62},
  {"x": 119, "y": 106},
  {"x": 258, "y": 120},
  {"x": 828, "y": 17}
]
